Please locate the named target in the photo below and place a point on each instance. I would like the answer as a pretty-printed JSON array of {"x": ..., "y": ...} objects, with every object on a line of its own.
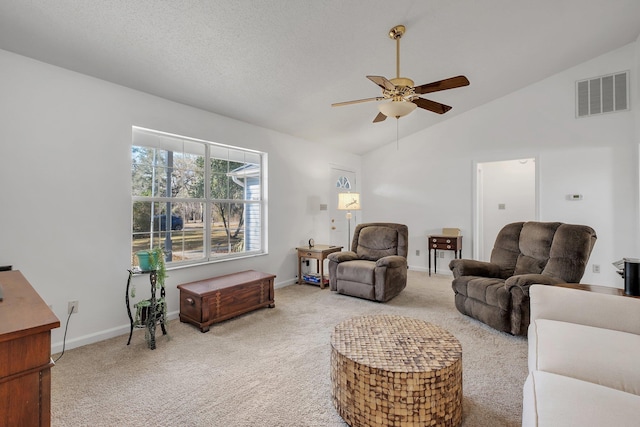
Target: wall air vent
[{"x": 604, "y": 94}]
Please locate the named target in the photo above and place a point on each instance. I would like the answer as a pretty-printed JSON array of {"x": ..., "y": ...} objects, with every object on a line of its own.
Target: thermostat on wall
[{"x": 574, "y": 196}]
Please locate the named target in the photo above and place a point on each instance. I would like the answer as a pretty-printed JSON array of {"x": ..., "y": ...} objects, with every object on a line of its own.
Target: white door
[
  {"x": 342, "y": 180},
  {"x": 506, "y": 193}
]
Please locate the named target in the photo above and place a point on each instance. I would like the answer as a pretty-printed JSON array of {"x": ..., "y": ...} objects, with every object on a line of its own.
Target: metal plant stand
[{"x": 148, "y": 312}]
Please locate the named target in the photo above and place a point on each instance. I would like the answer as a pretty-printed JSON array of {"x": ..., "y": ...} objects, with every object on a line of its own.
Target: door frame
[
  {"x": 476, "y": 199},
  {"x": 333, "y": 202}
]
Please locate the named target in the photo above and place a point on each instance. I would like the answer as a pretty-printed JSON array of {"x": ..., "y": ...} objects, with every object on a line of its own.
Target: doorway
[
  {"x": 506, "y": 192},
  {"x": 341, "y": 180}
]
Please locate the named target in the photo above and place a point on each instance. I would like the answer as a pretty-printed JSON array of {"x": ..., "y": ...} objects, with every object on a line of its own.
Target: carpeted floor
[{"x": 271, "y": 367}]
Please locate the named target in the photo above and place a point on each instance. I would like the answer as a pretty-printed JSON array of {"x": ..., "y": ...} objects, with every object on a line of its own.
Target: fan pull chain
[{"x": 397, "y": 135}]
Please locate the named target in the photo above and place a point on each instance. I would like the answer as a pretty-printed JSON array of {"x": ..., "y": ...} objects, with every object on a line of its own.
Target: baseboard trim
[
  {"x": 101, "y": 336},
  {"x": 425, "y": 270},
  {"x": 285, "y": 283}
]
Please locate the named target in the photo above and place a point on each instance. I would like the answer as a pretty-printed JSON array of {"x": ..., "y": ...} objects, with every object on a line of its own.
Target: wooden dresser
[{"x": 25, "y": 353}]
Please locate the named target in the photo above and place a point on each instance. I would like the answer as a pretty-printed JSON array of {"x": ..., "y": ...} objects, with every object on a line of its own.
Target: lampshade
[
  {"x": 397, "y": 108},
  {"x": 349, "y": 201}
]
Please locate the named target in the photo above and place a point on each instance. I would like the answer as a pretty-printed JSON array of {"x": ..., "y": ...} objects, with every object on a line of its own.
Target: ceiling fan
[{"x": 402, "y": 93}]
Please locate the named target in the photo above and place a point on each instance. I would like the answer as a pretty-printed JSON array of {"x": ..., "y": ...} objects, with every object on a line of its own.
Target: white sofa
[{"x": 584, "y": 359}]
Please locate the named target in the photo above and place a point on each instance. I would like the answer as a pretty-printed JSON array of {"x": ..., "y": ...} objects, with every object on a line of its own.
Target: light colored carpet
[{"x": 271, "y": 367}]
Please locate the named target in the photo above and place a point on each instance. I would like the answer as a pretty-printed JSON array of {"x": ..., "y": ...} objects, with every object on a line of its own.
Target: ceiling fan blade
[
  {"x": 436, "y": 107},
  {"x": 357, "y": 101},
  {"x": 382, "y": 82},
  {"x": 380, "y": 117},
  {"x": 450, "y": 83}
]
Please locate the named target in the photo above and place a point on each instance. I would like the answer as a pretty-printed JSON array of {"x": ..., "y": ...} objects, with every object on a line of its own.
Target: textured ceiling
[{"x": 280, "y": 64}]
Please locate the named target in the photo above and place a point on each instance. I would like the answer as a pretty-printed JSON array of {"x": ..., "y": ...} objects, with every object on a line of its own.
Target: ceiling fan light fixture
[{"x": 396, "y": 109}]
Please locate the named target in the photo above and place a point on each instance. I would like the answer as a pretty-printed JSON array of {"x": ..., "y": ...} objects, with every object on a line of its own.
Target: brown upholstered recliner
[
  {"x": 376, "y": 266},
  {"x": 497, "y": 292}
]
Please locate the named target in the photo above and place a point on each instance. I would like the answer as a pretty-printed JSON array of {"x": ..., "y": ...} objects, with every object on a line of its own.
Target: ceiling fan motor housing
[
  {"x": 403, "y": 89},
  {"x": 402, "y": 81}
]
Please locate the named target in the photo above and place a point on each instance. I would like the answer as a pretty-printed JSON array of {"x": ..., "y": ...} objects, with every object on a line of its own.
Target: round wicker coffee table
[{"x": 396, "y": 371}]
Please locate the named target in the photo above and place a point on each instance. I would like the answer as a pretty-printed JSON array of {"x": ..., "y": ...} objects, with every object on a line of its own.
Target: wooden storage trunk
[{"x": 213, "y": 300}]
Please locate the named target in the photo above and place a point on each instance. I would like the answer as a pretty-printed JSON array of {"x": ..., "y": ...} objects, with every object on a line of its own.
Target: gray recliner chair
[
  {"x": 525, "y": 253},
  {"x": 376, "y": 266}
]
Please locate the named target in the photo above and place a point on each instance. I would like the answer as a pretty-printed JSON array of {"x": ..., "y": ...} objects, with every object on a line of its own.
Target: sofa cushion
[
  {"x": 485, "y": 299},
  {"x": 356, "y": 289},
  {"x": 600, "y": 356},
  {"x": 535, "y": 246},
  {"x": 488, "y": 290},
  {"x": 551, "y": 400},
  {"x": 529, "y": 265},
  {"x": 375, "y": 242},
  {"x": 570, "y": 251},
  {"x": 360, "y": 271},
  {"x": 506, "y": 249},
  {"x": 488, "y": 314}
]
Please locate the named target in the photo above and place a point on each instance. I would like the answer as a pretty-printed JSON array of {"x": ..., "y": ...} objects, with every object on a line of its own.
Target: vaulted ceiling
[{"x": 280, "y": 64}]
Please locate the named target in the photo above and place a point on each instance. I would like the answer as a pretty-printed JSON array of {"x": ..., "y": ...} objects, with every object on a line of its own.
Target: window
[
  {"x": 343, "y": 183},
  {"x": 200, "y": 201}
]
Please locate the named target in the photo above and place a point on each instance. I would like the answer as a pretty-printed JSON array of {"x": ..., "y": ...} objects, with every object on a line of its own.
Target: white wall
[
  {"x": 65, "y": 145},
  {"x": 428, "y": 181}
]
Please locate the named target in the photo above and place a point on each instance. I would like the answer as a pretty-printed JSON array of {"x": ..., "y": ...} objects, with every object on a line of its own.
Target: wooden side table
[
  {"x": 443, "y": 242},
  {"x": 319, "y": 253}
]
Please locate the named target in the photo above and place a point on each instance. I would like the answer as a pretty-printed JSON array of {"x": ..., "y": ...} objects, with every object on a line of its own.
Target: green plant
[
  {"x": 144, "y": 315},
  {"x": 157, "y": 264},
  {"x": 156, "y": 259}
]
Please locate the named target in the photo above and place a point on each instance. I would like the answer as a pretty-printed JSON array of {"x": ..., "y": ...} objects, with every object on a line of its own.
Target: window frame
[{"x": 207, "y": 200}]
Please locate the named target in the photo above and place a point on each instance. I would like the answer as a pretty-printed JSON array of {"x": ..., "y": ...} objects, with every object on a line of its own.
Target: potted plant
[{"x": 153, "y": 260}]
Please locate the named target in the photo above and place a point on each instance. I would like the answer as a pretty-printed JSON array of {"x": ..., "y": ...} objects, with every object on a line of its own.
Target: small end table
[
  {"x": 443, "y": 242},
  {"x": 319, "y": 253}
]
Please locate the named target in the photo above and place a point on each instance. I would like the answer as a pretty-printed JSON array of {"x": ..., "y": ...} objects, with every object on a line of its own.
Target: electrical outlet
[
  {"x": 417, "y": 252},
  {"x": 441, "y": 254},
  {"x": 596, "y": 268},
  {"x": 73, "y": 307}
]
